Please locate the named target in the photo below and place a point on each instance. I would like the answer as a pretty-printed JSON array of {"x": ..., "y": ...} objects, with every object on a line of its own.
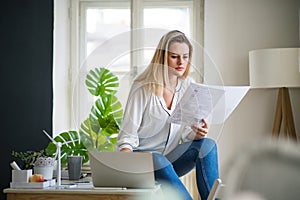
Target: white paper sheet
[{"x": 213, "y": 103}]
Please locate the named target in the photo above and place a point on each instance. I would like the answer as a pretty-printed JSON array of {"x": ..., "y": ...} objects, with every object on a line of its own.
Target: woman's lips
[{"x": 179, "y": 68}]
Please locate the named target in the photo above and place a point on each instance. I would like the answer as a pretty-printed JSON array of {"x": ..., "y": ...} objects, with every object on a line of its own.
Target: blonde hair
[{"x": 155, "y": 76}]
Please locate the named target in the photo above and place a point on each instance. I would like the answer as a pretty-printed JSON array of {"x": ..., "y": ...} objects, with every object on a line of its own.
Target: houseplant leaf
[
  {"x": 107, "y": 113},
  {"x": 103, "y": 122},
  {"x": 90, "y": 138},
  {"x": 73, "y": 148},
  {"x": 101, "y": 81}
]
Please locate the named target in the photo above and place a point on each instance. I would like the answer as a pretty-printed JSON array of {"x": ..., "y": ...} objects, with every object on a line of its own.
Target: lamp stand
[{"x": 284, "y": 115}]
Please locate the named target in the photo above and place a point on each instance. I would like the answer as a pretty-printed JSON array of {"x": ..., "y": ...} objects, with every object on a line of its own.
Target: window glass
[
  {"x": 101, "y": 26},
  {"x": 173, "y": 18}
]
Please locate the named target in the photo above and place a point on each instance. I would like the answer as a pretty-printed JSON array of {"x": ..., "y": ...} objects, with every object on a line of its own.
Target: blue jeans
[{"x": 201, "y": 154}]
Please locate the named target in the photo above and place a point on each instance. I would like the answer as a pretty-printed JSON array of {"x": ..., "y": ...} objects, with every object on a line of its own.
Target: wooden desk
[
  {"x": 83, "y": 191},
  {"x": 81, "y": 194}
]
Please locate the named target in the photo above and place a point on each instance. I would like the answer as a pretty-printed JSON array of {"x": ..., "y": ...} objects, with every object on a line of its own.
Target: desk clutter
[
  {"x": 25, "y": 179},
  {"x": 21, "y": 179},
  {"x": 30, "y": 179},
  {"x": 82, "y": 189}
]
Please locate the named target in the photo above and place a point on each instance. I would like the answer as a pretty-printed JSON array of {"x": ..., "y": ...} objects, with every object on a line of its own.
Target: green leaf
[
  {"x": 90, "y": 139},
  {"x": 104, "y": 121},
  {"x": 107, "y": 146},
  {"x": 107, "y": 105},
  {"x": 101, "y": 81},
  {"x": 75, "y": 147}
]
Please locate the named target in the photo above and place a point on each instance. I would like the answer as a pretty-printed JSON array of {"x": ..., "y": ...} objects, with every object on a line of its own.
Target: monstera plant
[
  {"x": 75, "y": 147},
  {"x": 99, "y": 131}
]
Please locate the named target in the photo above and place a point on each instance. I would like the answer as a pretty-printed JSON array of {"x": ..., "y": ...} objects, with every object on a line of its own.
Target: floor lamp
[{"x": 277, "y": 68}]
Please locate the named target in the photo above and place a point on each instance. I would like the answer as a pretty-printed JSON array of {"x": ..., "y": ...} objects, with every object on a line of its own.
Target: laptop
[{"x": 122, "y": 169}]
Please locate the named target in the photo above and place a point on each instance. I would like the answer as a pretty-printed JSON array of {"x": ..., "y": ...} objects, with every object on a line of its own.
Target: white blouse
[{"x": 145, "y": 125}]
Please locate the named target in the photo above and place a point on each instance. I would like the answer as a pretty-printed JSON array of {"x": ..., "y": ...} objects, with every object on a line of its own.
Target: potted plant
[
  {"x": 27, "y": 159},
  {"x": 45, "y": 167},
  {"x": 99, "y": 131},
  {"x": 39, "y": 161}
]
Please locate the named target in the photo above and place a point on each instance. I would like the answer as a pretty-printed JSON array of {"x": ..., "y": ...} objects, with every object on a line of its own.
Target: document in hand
[{"x": 213, "y": 103}]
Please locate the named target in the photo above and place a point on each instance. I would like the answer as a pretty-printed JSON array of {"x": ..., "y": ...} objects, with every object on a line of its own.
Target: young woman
[{"x": 176, "y": 149}]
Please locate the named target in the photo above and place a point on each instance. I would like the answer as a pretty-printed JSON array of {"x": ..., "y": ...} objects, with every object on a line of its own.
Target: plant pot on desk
[{"x": 45, "y": 167}]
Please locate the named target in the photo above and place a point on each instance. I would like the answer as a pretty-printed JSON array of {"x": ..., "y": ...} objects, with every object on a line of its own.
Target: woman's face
[{"x": 178, "y": 58}]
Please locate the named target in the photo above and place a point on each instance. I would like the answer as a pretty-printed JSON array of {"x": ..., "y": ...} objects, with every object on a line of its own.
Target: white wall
[{"x": 232, "y": 29}]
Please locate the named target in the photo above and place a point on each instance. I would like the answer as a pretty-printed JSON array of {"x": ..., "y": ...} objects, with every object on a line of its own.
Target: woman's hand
[
  {"x": 126, "y": 150},
  {"x": 199, "y": 132}
]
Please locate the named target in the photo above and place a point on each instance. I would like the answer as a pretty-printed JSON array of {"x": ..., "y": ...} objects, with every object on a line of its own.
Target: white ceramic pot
[
  {"x": 47, "y": 172},
  {"x": 45, "y": 167}
]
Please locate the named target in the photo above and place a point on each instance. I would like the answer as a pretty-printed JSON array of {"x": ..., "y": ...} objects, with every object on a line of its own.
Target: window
[{"x": 120, "y": 35}]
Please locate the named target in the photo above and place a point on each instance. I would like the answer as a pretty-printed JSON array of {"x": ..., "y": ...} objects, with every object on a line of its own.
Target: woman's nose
[{"x": 180, "y": 60}]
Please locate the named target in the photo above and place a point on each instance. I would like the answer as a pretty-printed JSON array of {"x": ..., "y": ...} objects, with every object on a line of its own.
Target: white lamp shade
[{"x": 274, "y": 68}]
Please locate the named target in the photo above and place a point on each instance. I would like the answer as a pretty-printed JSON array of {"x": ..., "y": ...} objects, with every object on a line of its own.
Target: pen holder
[
  {"x": 21, "y": 176},
  {"x": 74, "y": 167}
]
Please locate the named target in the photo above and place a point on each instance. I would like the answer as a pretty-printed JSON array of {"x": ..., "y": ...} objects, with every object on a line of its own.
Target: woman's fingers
[
  {"x": 205, "y": 124},
  {"x": 199, "y": 130}
]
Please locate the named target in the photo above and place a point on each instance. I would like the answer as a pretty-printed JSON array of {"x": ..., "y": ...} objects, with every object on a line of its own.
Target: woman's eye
[{"x": 175, "y": 57}]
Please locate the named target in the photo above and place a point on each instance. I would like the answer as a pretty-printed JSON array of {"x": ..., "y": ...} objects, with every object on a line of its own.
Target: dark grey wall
[{"x": 26, "y": 44}]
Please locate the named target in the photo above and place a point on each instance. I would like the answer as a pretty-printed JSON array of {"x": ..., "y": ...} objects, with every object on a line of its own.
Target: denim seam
[
  {"x": 202, "y": 167},
  {"x": 204, "y": 174}
]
